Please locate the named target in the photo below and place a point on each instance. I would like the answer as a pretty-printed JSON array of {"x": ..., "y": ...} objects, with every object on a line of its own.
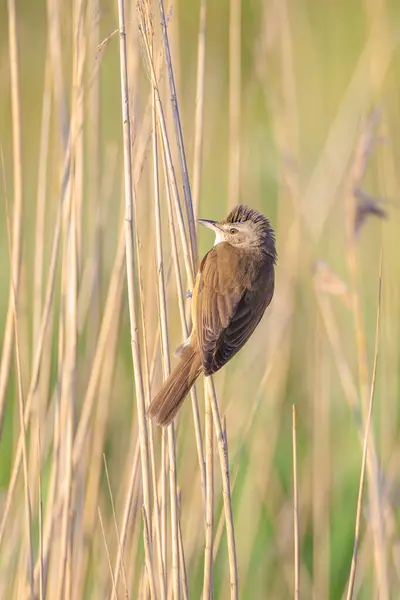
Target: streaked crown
[{"x": 247, "y": 227}]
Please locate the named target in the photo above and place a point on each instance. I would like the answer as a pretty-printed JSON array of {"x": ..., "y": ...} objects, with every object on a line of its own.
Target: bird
[{"x": 233, "y": 287}]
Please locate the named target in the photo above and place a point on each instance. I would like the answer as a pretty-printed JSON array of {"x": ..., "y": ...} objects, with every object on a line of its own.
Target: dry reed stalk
[
  {"x": 146, "y": 377},
  {"x": 321, "y": 475},
  {"x": 41, "y": 199},
  {"x": 108, "y": 310},
  {"x": 185, "y": 331},
  {"x": 94, "y": 161},
  {"x": 296, "y": 531},
  {"x": 107, "y": 551},
  {"x": 352, "y": 576},
  {"x": 222, "y": 445},
  {"x": 235, "y": 61},
  {"x": 70, "y": 265},
  {"x": 40, "y": 519},
  {"x": 41, "y": 194},
  {"x": 115, "y": 525},
  {"x": 185, "y": 589},
  {"x": 164, "y": 335},
  {"x": 208, "y": 549},
  {"x": 175, "y": 565},
  {"x": 111, "y": 303},
  {"x": 361, "y": 156},
  {"x": 179, "y": 140},
  {"x": 16, "y": 238},
  {"x": 27, "y": 497},
  {"x": 130, "y": 265},
  {"x": 149, "y": 562},
  {"x": 49, "y": 295},
  {"x": 92, "y": 477},
  {"x": 166, "y": 144},
  {"x": 222, "y": 442},
  {"x": 54, "y": 33},
  {"x": 129, "y": 497},
  {"x": 199, "y": 107},
  {"x": 130, "y": 260}
]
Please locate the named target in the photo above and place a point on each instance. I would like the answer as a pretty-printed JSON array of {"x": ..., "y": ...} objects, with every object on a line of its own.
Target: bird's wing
[{"x": 226, "y": 310}]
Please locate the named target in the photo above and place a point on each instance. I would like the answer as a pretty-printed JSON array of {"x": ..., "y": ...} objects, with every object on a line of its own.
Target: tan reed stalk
[
  {"x": 107, "y": 551},
  {"x": 130, "y": 265},
  {"x": 179, "y": 139},
  {"x": 296, "y": 534},
  {"x": 209, "y": 542},
  {"x": 41, "y": 200},
  {"x": 16, "y": 239},
  {"x": 166, "y": 363},
  {"x": 129, "y": 497},
  {"x": 164, "y": 338},
  {"x": 79, "y": 49},
  {"x": 49, "y": 296},
  {"x": 175, "y": 565},
  {"x": 222, "y": 442},
  {"x": 107, "y": 323},
  {"x": 350, "y": 588},
  {"x": 108, "y": 310},
  {"x": 40, "y": 518},
  {"x": 199, "y": 107},
  {"x": 185, "y": 331},
  {"x": 362, "y": 154},
  {"x": 222, "y": 445},
  {"x": 146, "y": 377},
  {"x": 28, "y": 508},
  {"x": 51, "y": 514},
  {"x": 182, "y": 560},
  {"x": 108, "y": 328},
  {"x": 220, "y": 527},
  {"x": 71, "y": 226},
  {"x": 148, "y": 555},
  {"x": 39, "y": 407},
  {"x": 92, "y": 476},
  {"x": 115, "y": 524},
  {"x": 235, "y": 60},
  {"x": 166, "y": 145},
  {"x": 94, "y": 158},
  {"x": 321, "y": 470}
]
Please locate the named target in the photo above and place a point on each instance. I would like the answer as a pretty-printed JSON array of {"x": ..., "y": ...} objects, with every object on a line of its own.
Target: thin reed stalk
[
  {"x": 209, "y": 542},
  {"x": 107, "y": 551},
  {"x": 362, "y": 154},
  {"x": 179, "y": 139},
  {"x": 16, "y": 238},
  {"x": 296, "y": 534},
  {"x": 199, "y": 108},
  {"x": 28, "y": 507},
  {"x": 350, "y": 588},
  {"x": 130, "y": 265},
  {"x": 235, "y": 61}
]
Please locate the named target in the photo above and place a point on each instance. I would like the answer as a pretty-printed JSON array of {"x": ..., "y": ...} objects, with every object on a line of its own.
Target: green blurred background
[{"x": 311, "y": 73}]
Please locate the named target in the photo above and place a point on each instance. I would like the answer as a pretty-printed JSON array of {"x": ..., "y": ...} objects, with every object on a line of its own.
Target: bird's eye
[{"x": 232, "y": 230}]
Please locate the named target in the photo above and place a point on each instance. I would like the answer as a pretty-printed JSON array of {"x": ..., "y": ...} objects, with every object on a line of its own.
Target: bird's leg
[{"x": 189, "y": 294}]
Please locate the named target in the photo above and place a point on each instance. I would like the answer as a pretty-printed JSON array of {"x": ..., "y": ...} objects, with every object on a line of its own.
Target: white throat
[{"x": 219, "y": 237}]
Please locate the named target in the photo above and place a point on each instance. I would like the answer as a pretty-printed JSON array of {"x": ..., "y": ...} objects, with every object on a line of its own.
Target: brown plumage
[{"x": 233, "y": 287}]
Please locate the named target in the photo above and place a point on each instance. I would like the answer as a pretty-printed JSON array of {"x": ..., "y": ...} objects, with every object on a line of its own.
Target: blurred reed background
[{"x": 293, "y": 107}]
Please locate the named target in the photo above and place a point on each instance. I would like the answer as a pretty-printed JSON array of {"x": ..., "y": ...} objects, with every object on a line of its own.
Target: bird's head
[{"x": 244, "y": 228}]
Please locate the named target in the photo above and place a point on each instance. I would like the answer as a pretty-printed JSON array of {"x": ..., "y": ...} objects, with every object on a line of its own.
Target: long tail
[{"x": 176, "y": 387}]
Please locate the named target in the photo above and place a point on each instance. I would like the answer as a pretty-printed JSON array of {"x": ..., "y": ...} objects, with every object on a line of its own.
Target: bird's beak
[{"x": 210, "y": 224}]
